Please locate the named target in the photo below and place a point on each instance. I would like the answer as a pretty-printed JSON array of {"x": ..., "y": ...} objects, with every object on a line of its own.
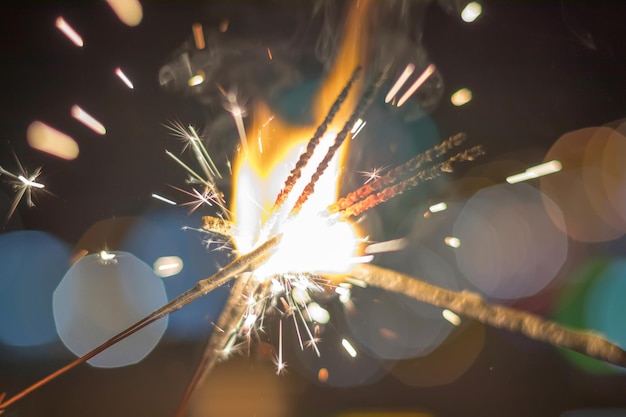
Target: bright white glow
[
  {"x": 349, "y": 348},
  {"x": 196, "y": 80},
  {"x": 44, "y": 138},
  {"x": 106, "y": 256},
  {"x": 451, "y": 317},
  {"x": 535, "y": 172},
  {"x": 356, "y": 126},
  {"x": 318, "y": 313},
  {"x": 388, "y": 246},
  {"x": 198, "y": 36},
  {"x": 453, "y": 242},
  {"x": 68, "y": 31},
  {"x": 167, "y": 266},
  {"x": 461, "y": 97},
  {"x": 400, "y": 82},
  {"x": 417, "y": 84},
  {"x": 88, "y": 120},
  {"x": 30, "y": 183},
  {"x": 124, "y": 78},
  {"x": 471, "y": 12},
  {"x": 165, "y": 200},
  {"x": 436, "y": 208},
  {"x": 128, "y": 11}
]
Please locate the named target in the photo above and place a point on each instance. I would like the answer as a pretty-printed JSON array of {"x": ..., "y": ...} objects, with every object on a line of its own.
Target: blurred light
[
  {"x": 511, "y": 248},
  {"x": 44, "y": 138},
  {"x": 453, "y": 242},
  {"x": 430, "y": 69},
  {"x": 128, "y": 11},
  {"x": 471, "y": 12},
  {"x": 124, "y": 78},
  {"x": 96, "y": 300},
  {"x": 388, "y": 246},
  {"x": 400, "y": 82},
  {"x": 165, "y": 200},
  {"x": 31, "y": 265},
  {"x": 224, "y": 25},
  {"x": 461, "y": 97},
  {"x": 87, "y": 119},
  {"x": 322, "y": 375},
  {"x": 360, "y": 124},
  {"x": 106, "y": 256},
  {"x": 436, "y": 208},
  {"x": 318, "y": 313},
  {"x": 68, "y": 31},
  {"x": 535, "y": 172},
  {"x": 30, "y": 183},
  {"x": 167, "y": 266},
  {"x": 349, "y": 348},
  {"x": 196, "y": 79},
  {"x": 451, "y": 317},
  {"x": 269, "y": 54},
  {"x": 198, "y": 36}
]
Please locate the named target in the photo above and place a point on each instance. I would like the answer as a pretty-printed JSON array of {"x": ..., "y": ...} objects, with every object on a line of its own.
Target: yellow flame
[{"x": 310, "y": 242}]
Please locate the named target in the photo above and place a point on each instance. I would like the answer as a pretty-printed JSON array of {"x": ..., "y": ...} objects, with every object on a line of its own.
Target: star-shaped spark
[
  {"x": 372, "y": 175},
  {"x": 24, "y": 184}
]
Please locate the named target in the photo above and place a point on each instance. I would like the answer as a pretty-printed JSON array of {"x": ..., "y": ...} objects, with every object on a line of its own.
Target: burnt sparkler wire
[
  {"x": 402, "y": 186},
  {"x": 398, "y": 174},
  {"x": 239, "y": 266},
  {"x": 363, "y": 104},
  {"x": 304, "y": 158}
]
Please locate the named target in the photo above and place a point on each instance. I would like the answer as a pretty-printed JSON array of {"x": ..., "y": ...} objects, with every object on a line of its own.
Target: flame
[{"x": 311, "y": 242}]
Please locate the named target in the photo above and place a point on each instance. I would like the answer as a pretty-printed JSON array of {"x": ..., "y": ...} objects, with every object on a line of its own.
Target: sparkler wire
[
  {"x": 363, "y": 104},
  {"x": 296, "y": 172},
  {"x": 238, "y": 266},
  {"x": 473, "y": 306}
]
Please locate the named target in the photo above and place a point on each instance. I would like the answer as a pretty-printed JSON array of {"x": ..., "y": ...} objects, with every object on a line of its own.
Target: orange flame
[{"x": 274, "y": 147}]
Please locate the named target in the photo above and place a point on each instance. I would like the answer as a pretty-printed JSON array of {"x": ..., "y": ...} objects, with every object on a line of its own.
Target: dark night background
[{"x": 537, "y": 71}]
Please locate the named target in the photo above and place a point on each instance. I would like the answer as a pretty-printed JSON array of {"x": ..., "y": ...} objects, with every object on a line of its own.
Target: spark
[
  {"x": 349, "y": 348},
  {"x": 269, "y": 54},
  {"x": 106, "y": 256},
  {"x": 453, "y": 242},
  {"x": 198, "y": 36},
  {"x": 196, "y": 79},
  {"x": 280, "y": 365},
  {"x": 408, "y": 70},
  {"x": 25, "y": 185},
  {"x": 358, "y": 126},
  {"x": 165, "y": 200},
  {"x": 69, "y": 32},
  {"x": 471, "y": 12},
  {"x": 452, "y": 317},
  {"x": 124, "y": 78},
  {"x": 461, "y": 97},
  {"x": 417, "y": 84},
  {"x": 233, "y": 107},
  {"x": 388, "y": 246},
  {"x": 436, "y": 208},
  {"x": 167, "y": 266},
  {"x": 88, "y": 120},
  {"x": 372, "y": 175},
  {"x": 47, "y": 139},
  {"x": 205, "y": 197},
  {"x": 536, "y": 171}
]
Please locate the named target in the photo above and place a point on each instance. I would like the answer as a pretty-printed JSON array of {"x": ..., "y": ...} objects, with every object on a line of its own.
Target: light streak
[
  {"x": 128, "y": 11},
  {"x": 536, "y": 171},
  {"x": 452, "y": 317},
  {"x": 471, "y": 12},
  {"x": 196, "y": 79},
  {"x": 88, "y": 120},
  {"x": 417, "y": 84},
  {"x": 408, "y": 70},
  {"x": 124, "y": 78},
  {"x": 388, "y": 246},
  {"x": 224, "y": 25},
  {"x": 358, "y": 126},
  {"x": 461, "y": 97},
  {"x": 349, "y": 348},
  {"x": 453, "y": 242},
  {"x": 436, "y": 208},
  {"x": 198, "y": 36},
  {"x": 30, "y": 183},
  {"x": 280, "y": 365},
  {"x": 165, "y": 200},
  {"x": 47, "y": 139},
  {"x": 269, "y": 54},
  {"x": 69, "y": 32},
  {"x": 233, "y": 107},
  {"x": 167, "y": 266}
]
